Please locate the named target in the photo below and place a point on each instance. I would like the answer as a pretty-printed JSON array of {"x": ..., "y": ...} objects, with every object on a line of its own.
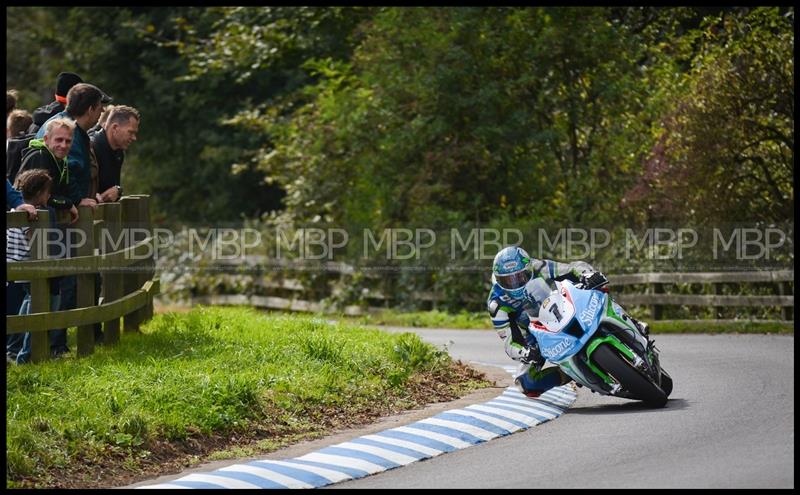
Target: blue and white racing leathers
[{"x": 511, "y": 317}]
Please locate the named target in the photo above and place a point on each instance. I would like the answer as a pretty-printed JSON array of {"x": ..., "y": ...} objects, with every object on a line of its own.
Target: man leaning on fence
[
  {"x": 109, "y": 144},
  {"x": 84, "y": 105},
  {"x": 50, "y": 154}
]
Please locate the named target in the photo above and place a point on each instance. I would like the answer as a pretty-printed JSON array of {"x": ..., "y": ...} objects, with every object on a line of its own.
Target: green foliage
[
  {"x": 467, "y": 111},
  {"x": 729, "y": 126},
  {"x": 472, "y": 111},
  {"x": 435, "y": 117},
  {"x": 412, "y": 353},
  {"x": 428, "y": 319}
]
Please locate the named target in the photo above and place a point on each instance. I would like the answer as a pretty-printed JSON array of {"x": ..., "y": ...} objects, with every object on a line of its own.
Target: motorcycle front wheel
[{"x": 627, "y": 376}]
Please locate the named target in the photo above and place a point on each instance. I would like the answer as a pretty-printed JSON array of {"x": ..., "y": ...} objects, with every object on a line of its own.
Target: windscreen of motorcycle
[{"x": 557, "y": 310}]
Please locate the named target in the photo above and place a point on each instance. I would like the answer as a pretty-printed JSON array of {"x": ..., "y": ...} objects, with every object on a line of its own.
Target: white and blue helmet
[{"x": 511, "y": 270}]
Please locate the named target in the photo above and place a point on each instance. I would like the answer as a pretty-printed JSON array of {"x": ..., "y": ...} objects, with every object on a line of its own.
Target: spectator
[
  {"x": 64, "y": 82},
  {"x": 14, "y": 148},
  {"x": 11, "y": 100},
  {"x": 109, "y": 145},
  {"x": 15, "y": 202},
  {"x": 17, "y": 124},
  {"x": 84, "y": 106},
  {"x": 50, "y": 154},
  {"x": 35, "y": 187},
  {"x": 101, "y": 122},
  {"x": 14, "y": 291},
  {"x": 16, "y": 140}
]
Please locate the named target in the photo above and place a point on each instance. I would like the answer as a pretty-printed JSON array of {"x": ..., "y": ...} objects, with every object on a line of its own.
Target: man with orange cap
[{"x": 64, "y": 82}]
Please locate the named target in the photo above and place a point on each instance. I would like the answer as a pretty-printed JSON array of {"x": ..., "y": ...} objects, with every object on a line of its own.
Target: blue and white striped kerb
[{"x": 369, "y": 454}]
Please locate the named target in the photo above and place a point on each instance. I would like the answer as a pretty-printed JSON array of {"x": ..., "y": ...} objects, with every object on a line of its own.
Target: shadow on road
[{"x": 626, "y": 407}]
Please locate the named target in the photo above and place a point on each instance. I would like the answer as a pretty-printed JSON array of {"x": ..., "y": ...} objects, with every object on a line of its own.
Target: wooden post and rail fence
[
  {"x": 129, "y": 284},
  {"x": 781, "y": 281},
  {"x": 289, "y": 294},
  {"x": 127, "y": 274}
]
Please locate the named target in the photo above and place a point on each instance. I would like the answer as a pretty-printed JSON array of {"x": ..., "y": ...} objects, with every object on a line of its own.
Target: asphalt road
[{"x": 729, "y": 423}]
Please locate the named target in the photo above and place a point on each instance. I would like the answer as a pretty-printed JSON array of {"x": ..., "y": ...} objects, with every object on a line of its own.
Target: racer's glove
[
  {"x": 532, "y": 355},
  {"x": 593, "y": 280}
]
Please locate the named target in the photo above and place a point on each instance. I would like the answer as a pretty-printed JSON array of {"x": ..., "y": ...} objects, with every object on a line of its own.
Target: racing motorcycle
[{"x": 592, "y": 340}]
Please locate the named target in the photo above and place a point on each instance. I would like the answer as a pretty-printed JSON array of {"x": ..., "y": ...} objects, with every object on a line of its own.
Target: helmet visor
[{"x": 514, "y": 280}]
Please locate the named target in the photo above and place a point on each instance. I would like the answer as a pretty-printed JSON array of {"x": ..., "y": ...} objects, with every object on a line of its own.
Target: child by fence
[{"x": 35, "y": 187}]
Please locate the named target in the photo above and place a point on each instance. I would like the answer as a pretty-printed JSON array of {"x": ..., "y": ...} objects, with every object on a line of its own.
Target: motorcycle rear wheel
[{"x": 630, "y": 379}]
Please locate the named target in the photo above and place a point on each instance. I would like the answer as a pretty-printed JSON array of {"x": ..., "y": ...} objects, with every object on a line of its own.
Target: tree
[
  {"x": 185, "y": 153},
  {"x": 726, "y": 152},
  {"x": 471, "y": 110}
]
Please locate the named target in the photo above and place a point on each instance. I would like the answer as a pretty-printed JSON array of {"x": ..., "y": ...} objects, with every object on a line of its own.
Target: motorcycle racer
[{"x": 511, "y": 307}]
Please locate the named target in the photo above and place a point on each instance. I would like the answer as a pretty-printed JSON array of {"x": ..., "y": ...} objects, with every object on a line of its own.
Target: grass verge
[
  {"x": 426, "y": 319},
  {"x": 210, "y": 383}
]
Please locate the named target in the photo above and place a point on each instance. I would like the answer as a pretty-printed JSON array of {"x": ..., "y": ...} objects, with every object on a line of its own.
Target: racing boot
[{"x": 533, "y": 383}]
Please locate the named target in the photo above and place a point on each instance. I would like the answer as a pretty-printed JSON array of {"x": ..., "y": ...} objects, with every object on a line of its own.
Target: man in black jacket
[
  {"x": 64, "y": 82},
  {"x": 109, "y": 144},
  {"x": 50, "y": 154}
]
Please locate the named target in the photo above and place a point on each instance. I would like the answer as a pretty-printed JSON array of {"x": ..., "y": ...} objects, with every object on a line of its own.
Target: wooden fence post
[
  {"x": 148, "y": 266},
  {"x": 112, "y": 279},
  {"x": 787, "y": 312},
  {"x": 130, "y": 220},
  {"x": 85, "y": 282},
  {"x": 40, "y": 287},
  {"x": 655, "y": 309},
  {"x": 136, "y": 213},
  {"x": 717, "y": 286}
]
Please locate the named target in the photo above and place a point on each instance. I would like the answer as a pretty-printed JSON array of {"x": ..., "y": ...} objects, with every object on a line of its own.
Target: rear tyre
[{"x": 630, "y": 379}]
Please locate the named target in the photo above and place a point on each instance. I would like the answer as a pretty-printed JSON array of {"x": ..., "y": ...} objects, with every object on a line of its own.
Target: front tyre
[
  {"x": 627, "y": 376},
  {"x": 666, "y": 383}
]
